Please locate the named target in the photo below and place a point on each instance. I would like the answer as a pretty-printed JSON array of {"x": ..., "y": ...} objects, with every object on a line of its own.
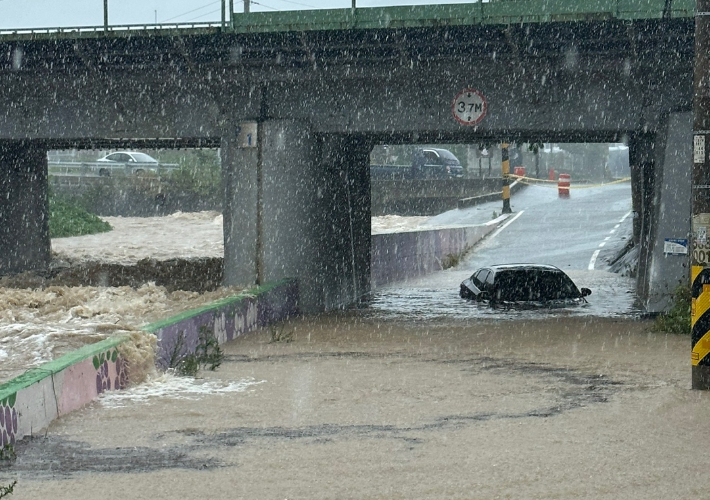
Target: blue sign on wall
[{"x": 673, "y": 246}]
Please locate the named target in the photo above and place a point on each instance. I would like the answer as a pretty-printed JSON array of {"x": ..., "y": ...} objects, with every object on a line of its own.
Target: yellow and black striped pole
[
  {"x": 505, "y": 165},
  {"x": 700, "y": 323},
  {"x": 700, "y": 202}
]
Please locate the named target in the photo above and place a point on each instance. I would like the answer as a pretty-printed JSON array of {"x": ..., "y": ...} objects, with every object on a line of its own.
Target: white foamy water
[{"x": 168, "y": 385}]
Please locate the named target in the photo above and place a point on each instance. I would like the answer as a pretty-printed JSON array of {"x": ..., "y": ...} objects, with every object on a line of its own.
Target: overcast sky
[{"x": 67, "y": 13}]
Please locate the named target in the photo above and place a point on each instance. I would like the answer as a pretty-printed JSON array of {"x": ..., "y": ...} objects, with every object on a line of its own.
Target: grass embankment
[{"x": 68, "y": 218}]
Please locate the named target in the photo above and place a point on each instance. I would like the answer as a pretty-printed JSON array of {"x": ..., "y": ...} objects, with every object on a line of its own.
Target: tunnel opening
[
  {"x": 160, "y": 204},
  {"x": 586, "y": 231}
]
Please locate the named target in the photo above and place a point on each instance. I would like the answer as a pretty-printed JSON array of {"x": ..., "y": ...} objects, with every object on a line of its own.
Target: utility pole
[
  {"x": 105, "y": 16},
  {"x": 505, "y": 166},
  {"x": 700, "y": 200},
  {"x": 224, "y": 7},
  {"x": 231, "y": 14},
  {"x": 246, "y": 6}
]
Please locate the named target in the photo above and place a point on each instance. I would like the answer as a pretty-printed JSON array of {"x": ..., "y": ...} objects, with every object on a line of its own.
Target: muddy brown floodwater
[{"x": 356, "y": 407}]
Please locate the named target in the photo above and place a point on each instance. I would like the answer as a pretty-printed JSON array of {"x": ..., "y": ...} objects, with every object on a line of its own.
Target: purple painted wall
[
  {"x": 400, "y": 256},
  {"x": 227, "y": 319}
]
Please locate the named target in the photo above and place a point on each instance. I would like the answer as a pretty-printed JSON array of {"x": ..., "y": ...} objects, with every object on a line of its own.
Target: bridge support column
[
  {"x": 666, "y": 214},
  {"x": 24, "y": 208},
  {"x": 298, "y": 206},
  {"x": 642, "y": 162}
]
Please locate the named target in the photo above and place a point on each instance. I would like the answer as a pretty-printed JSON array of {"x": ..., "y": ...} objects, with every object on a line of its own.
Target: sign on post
[
  {"x": 246, "y": 135},
  {"x": 469, "y": 107}
]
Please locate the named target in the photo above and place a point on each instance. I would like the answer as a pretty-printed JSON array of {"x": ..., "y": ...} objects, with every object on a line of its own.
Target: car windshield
[
  {"x": 143, "y": 158},
  {"x": 448, "y": 157},
  {"x": 534, "y": 285}
]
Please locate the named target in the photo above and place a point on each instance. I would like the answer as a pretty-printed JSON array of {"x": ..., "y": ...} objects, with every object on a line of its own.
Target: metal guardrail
[
  {"x": 111, "y": 28},
  {"x": 106, "y": 169},
  {"x": 480, "y": 12}
]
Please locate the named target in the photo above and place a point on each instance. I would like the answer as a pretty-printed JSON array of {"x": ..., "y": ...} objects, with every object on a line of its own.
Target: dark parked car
[{"x": 535, "y": 285}]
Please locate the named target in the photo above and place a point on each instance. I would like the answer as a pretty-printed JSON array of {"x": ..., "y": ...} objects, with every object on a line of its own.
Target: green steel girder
[{"x": 495, "y": 12}]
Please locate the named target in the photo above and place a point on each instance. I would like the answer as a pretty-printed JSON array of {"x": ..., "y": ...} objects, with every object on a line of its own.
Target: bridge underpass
[{"x": 320, "y": 96}]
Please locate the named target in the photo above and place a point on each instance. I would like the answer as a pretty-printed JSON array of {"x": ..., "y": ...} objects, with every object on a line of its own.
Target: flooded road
[
  {"x": 593, "y": 224},
  {"x": 578, "y": 408},
  {"x": 419, "y": 395}
]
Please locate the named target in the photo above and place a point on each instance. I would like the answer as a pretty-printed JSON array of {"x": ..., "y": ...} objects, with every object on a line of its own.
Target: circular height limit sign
[{"x": 469, "y": 107}]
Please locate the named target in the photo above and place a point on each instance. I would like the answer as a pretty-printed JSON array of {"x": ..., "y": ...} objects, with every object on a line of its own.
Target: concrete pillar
[
  {"x": 298, "y": 206},
  {"x": 314, "y": 206},
  {"x": 642, "y": 157},
  {"x": 241, "y": 184},
  {"x": 671, "y": 213},
  {"x": 346, "y": 272},
  {"x": 24, "y": 207}
]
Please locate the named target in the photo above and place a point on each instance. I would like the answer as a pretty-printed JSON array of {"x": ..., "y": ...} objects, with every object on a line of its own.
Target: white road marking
[
  {"x": 497, "y": 231},
  {"x": 594, "y": 260}
]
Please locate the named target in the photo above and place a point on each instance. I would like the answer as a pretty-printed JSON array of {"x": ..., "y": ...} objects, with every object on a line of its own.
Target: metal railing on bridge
[{"x": 414, "y": 16}]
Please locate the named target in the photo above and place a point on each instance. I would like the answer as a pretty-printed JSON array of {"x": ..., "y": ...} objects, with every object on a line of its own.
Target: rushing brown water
[{"x": 39, "y": 325}]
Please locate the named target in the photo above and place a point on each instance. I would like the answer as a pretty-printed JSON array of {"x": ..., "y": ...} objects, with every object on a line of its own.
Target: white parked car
[{"x": 131, "y": 162}]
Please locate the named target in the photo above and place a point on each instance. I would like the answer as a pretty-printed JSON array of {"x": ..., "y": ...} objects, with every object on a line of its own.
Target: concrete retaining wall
[
  {"x": 30, "y": 402},
  {"x": 427, "y": 197},
  {"x": 400, "y": 256},
  {"x": 227, "y": 318}
]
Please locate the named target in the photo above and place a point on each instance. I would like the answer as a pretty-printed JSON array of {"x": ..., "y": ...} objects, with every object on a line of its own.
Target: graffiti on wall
[
  {"x": 104, "y": 376},
  {"x": 8, "y": 420}
]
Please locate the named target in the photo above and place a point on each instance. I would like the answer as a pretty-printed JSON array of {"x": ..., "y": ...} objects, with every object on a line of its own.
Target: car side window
[
  {"x": 431, "y": 157},
  {"x": 488, "y": 284},
  {"x": 481, "y": 281}
]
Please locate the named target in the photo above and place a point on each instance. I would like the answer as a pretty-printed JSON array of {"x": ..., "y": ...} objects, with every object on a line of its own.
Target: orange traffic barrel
[
  {"x": 552, "y": 174},
  {"x": 563, "y": 185},
  {"x": 520, "y": 171}
]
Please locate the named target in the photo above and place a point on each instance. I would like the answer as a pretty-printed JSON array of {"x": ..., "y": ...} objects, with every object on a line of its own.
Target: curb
[{"x": 485, "y": 198}]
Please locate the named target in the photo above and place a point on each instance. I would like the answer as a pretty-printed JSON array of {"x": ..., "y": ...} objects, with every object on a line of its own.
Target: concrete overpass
[{"x": 296, "y": 100}]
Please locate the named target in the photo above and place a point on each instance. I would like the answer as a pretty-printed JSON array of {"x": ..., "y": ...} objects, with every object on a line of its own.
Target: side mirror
[{"x": 585, "y": 292}]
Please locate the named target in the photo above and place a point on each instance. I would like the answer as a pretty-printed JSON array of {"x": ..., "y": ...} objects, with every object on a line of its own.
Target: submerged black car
[{"x": 525, "y": 284}]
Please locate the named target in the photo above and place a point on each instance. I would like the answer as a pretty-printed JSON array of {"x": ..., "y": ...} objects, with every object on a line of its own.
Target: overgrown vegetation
[
  {"x": 208, "y": 354},
  {"x": 7, "y": 490},
  {"x": 279, "y": 334},
  {"x": 200, "y": 173},
  {"x": 677, "y": 319},
  {"x": 7, "y": 453},
  {"x": 68, "y": 218}
]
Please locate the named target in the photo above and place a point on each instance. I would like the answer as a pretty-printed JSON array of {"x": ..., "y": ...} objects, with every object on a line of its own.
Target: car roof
[
  {"x": 524, "y": 267},
  {"x": 444, "y": 153}
]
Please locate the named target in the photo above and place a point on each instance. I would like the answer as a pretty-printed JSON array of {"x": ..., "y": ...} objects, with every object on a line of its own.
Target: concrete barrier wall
[
  {"x": 400, "y": 256},
  {"x": 227, "y": 319},
  {"x": 426, "y": 197},
  {"x": 30, "y": 402}
]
